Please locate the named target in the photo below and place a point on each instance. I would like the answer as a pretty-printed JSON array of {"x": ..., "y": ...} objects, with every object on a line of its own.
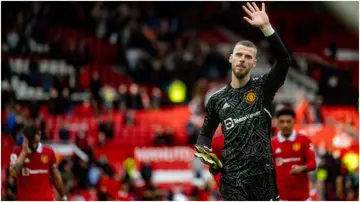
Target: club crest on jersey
[
  {"x": 44, "y": 159},
  {"x": 250, "y": 96},
  {"x": 296, "y": 147}
]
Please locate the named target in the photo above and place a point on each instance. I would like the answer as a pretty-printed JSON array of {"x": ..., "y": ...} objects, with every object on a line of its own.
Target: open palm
[{"x": 258, "y": 18}]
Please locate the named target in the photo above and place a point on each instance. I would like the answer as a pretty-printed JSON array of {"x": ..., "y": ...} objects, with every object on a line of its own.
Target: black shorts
[{"x": 258, "y": 188}]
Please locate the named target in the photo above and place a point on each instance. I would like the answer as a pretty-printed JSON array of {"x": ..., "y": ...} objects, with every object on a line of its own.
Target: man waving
[{"x": 243, "y": 109}]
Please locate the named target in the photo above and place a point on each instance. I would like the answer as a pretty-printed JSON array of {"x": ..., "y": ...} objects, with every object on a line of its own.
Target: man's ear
[
  {"x": 254, "y": 63},
  {"x": 230, "y": 58}
]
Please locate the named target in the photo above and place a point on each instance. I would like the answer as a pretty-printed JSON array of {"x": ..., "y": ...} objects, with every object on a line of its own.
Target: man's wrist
[
  {"x": 21, "y": 158},
  {"x": 304, "y": 168},
  {"x": 267, "y": 30},
  {"x": 23, "y": 152}
]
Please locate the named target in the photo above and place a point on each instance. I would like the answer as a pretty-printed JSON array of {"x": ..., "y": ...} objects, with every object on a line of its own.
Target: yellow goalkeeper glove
[{"x": 208, "y": 157}]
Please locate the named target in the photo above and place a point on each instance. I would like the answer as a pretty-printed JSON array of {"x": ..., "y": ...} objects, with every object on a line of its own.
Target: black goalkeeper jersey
[{"x": 245, "y": 118}]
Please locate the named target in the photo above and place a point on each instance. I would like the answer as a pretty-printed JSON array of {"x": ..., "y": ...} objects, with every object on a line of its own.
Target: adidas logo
[
  {"x": 27, "y": 160},
  {"x": 226, "y": 105},
  {"x": 278, "y": 150}
]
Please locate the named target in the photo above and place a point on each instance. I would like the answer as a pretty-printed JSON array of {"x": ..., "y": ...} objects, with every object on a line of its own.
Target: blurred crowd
[
  {"x": 333, "y": 179},
  {"x": 156, "y": 44}
]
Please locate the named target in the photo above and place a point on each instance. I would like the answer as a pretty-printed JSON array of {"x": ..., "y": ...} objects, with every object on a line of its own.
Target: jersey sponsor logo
[
  {"x": 250, "y": 96},
  {"x": 278, "y": 150},
  {"x": 230, "y": 122},
  {"x": 296, "y": 147},
  {"x": 44, "y": 159},
  {"x": 280, "y": 161},
  {"x": 226, "y": 105},
  {"x": 27, "y": 172}
]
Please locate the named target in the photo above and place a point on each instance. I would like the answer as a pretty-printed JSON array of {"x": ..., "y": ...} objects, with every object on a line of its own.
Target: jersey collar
[
  {"x": 291, "y": 137},
  {"x": 228, "y": 86}
]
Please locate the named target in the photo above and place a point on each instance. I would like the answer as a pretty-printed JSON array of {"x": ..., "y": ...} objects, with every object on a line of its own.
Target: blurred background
[{"x": 118, "y": 90}]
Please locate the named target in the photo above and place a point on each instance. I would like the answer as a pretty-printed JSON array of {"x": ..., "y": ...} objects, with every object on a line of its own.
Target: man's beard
[{"x": 241, "y": 75}]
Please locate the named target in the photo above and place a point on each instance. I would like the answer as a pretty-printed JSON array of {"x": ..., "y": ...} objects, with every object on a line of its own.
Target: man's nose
[
  {"x": 286, "y": 125},
  {"x": 242, "y": 59}
]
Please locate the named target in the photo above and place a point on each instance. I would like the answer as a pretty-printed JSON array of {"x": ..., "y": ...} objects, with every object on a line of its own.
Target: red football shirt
[
  {"x": 296, "y": 150},
  {"x": 33, "y": 180}
]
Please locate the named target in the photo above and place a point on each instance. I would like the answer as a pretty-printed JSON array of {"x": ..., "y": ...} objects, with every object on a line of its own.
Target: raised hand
[
  {"x": 258, "y": 18},
  {"x": 25, "y": 145}
]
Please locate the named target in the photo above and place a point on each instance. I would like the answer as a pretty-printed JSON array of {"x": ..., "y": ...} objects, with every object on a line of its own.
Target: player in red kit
[
  {"x": 294, "y": 157},
  {"x": 34, "y": 167}
]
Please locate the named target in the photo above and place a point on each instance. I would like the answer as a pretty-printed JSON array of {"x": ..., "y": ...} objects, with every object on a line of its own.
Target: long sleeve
[
  {"x": 210, "y": 125},
  {"x": 277, "y": 75},
  {"x": 310, "y": 156}
]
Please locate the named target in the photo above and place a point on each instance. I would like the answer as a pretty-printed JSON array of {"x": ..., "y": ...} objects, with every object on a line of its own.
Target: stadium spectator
[
  {"x": 80, "y": 170},
  {"x": 135, "y": 101},
  {"x": 54, "y": 102},
  {"x": 179, "y": 194},
  {"x": 66, "y": 101},
  {"x": 81, "y": 141},
  {"x": 11, "y": 189},
  {"x": 34, "y": 73},
  {"x": 197, "y": 168},
  {"x": 169, "y": 136},
  {"x": 155, "y": 98},
  {"x": 122, "y": 97},
  {"x": 64, "y": 133},
  {"x": 34, "y": 108},
  {"x": 108, "y": 95},
  {"x": 67, "y": 176},
  {"x": 146, "y": 172},
  {"x": 95, "y": 86},
  {"x": 19, "y": 125},
  {"x": 123, "y": 194},
  {"x": 42, "y": 125},
  {"x": 159, "y": 139},
  {"x": 101, "y": 139},
  {"x": 150, "y": 192},
  {"x": 107, "y": 127},
  {"x": 129, "y": 119},
  {"x": 94, "y": 174},
  {"x": 129, "y": 167}
]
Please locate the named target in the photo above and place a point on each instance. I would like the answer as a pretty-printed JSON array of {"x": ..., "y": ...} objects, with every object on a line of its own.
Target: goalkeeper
[{"x": 243, "y": 109}]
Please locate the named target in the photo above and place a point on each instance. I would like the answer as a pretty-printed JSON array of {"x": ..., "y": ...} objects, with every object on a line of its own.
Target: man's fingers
[
  {"x": 250, "y": 7},
  {"x": 25, "y": 141},
  {"x": 255, "y": 6},
  {"x": 262, "y": 6},
  {"x": 248, "y": 20},
  {"x": 200, "y": 149},
  {"x": 203, "y": 149},
  {"x": 197, "y": 149},
  {"x": 204, "y": 159},
  {"x": 247, "y": 10}
]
